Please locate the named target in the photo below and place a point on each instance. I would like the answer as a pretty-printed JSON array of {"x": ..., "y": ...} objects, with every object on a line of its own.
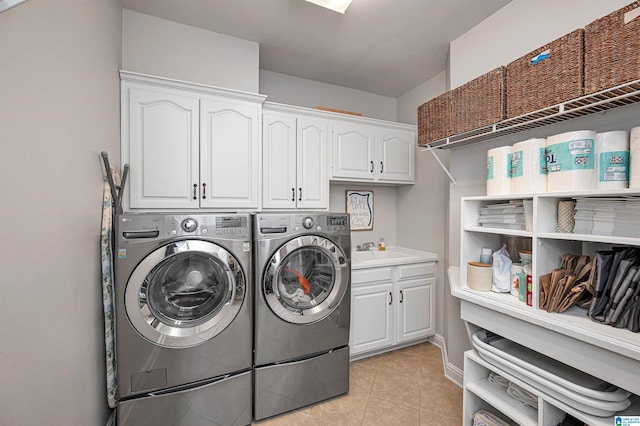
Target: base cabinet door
[
  {"x": 371, "y": 317},
  {"x": 415, "y": 315}
]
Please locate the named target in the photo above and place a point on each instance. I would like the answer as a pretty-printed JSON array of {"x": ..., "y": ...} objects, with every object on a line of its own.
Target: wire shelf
[{"x": 625, "y": 94}]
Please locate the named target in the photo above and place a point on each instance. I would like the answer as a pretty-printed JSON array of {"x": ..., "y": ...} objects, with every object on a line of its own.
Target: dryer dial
[
  {"x": 307, "y": 222},
  {"x": 189, "y": 225}
]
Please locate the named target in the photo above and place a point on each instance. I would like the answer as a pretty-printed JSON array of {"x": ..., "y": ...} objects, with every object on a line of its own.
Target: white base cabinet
[
  {"x": 390, "y": 306},
  {"x": 189, "y": 146}
]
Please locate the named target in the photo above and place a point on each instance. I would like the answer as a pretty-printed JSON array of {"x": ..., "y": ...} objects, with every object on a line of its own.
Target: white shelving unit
[{"x": 608, "y": 353}]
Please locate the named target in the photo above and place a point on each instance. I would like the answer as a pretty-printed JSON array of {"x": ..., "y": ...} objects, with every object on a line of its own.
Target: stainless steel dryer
[
  {"x": 183, "y": 305},
  {"x": 303, "y": 300}
]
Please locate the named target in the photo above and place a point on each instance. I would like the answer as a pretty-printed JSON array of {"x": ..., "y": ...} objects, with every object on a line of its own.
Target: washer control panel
[{"x": 144, "y": 227}]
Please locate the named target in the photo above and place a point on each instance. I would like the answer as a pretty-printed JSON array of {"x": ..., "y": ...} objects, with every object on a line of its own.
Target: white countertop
[{"x": 390, "y": 257}]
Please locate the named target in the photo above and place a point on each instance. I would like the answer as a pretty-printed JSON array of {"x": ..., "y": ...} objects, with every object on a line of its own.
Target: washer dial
[
  {"x": 189, "y": 225},
  {"x": 307, "y": 222}
]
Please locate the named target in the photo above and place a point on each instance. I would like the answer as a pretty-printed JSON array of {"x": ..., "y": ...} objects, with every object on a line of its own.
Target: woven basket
[
  {"x": 434, "y": 119},
  {"x": 612, "y": 49},
  {"x": 480, "y": 102},
  {"x": 535, "y": 82}
]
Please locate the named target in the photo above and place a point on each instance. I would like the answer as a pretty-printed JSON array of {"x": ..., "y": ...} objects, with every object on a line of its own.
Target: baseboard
[{"x": 451, "y": 372}]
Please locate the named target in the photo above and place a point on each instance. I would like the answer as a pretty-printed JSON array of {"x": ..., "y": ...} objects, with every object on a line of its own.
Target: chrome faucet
[{"x": 365, "y": 246}]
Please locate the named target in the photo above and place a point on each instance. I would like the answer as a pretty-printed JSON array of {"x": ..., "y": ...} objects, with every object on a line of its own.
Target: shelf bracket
[{"x": 430, "y": 149}]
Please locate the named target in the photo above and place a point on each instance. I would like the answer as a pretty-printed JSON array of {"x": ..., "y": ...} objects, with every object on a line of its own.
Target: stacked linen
[
  {"x": 616, "y": 216},
  {"x": 503, "y": 215}
]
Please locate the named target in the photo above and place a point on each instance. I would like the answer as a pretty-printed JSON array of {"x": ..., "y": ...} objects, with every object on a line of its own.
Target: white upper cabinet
[
  {"x": 353, "y": 151},
  {"x": 373, "y": 152},
  {"x": 229, "y": 154},
  {"x": 395, "y": 157},
  {"x": 163, "y": 146},
  {"x": 295, "y": 160},
  {"x": 189, "y": 146}
]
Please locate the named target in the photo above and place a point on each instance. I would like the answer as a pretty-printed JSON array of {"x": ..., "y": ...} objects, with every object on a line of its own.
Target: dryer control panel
[{"x": 300, "y": 223}]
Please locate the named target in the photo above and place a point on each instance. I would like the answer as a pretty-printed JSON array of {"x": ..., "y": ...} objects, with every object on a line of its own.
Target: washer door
[
  {"x": 185, "y": 293},
  {"x": 306, "y": 279}
]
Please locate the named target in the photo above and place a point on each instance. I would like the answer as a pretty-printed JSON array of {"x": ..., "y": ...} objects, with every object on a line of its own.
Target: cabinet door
[
  {"x": 371, "y": 317},
  {"x": 230, "y": 166},
  {"x": 312, "y": 169},
  {"x": 396, "y": 155},
  {"x": 279, "y": 161},
  {"x": 353, "y": 151},
  {"x": 415, "y": 311},
  {"x": 160, "y": 143}
]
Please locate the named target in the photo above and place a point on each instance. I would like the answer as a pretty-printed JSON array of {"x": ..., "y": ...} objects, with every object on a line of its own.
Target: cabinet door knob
[
  {"x": 371, "y": 167},
  {"x": 390, "y": 298},
  {"x": 300, "y": 197},
  {"x": 195, "y": 188},
  {"x": 381, "y": 167},
  {"x": 204, "y": 191},
  {"x": 401, "y": 296},
  {"x": 293, "y": 194}
]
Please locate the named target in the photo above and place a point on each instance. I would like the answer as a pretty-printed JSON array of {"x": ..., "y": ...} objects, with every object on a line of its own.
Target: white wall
[
  {"x": 59, "y": 108},
  {"x": 518, "y": 28},
  {"x": 287, "y": 89},
  {"x": 422, "y": 208},
  {"x": 156, "y": 46}
]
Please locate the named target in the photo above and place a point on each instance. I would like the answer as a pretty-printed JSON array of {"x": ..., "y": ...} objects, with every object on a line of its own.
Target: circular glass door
[
  {"x": 185, "y": 293},
  {"x": 306, "y": 279}
]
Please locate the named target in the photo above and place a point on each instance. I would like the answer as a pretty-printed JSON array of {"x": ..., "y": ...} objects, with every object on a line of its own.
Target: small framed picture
[{"x": 360, "y": 208}]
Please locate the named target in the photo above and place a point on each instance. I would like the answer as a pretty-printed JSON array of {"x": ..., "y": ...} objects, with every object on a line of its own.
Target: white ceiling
[{"x": 385, "y": 47}]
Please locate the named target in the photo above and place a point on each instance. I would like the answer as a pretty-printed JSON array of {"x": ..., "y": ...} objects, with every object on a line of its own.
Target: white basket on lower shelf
[{"x": 566, "y": 384}]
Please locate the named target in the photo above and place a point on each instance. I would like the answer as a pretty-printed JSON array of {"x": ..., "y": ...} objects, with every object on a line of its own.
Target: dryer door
[
  {"x": 185, "y": 293},
  {"x": 306, "y": 279}
]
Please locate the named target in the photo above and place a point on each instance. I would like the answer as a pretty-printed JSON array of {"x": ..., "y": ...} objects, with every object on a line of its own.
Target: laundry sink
[{"x": 373, "y": 255}]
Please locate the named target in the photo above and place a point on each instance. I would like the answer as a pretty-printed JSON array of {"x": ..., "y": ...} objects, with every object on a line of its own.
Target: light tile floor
[{"x": 404, "y": 387}]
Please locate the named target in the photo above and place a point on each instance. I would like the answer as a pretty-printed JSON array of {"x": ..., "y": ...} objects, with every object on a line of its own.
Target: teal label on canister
[
  {"x": 489, "y": 168},
  {"x": 614, "y": 166},
  {"x": 516, "y": 159},
  {"x": 570, "y": 155},
  {"x": 543, "y": 161}
]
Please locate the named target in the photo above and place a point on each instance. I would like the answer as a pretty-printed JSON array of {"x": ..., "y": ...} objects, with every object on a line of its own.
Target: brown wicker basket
[
  {"x": 480, "y": 102},
  {"x": 612, "y": 49},
  {"x": 535, "y": 82},
  {"x": 434, "y": 119}
]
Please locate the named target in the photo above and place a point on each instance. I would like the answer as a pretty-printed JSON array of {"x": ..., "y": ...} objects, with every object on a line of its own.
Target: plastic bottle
[{"x": 381, "y": 244}]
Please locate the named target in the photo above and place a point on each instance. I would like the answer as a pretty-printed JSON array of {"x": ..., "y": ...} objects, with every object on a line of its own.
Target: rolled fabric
[
  {"x": 570, "y": 161},
  {"x": 566, "y": 216},
  {"x": 529, "y": 167},
  {"x": 612, "y": 159},
  {"x": 499, "y": 171}
]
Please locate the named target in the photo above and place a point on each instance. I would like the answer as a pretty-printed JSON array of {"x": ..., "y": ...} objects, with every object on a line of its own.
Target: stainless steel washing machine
[
  {"x": 302, "y": 310},
  {"x": 183, "y": 306}
]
